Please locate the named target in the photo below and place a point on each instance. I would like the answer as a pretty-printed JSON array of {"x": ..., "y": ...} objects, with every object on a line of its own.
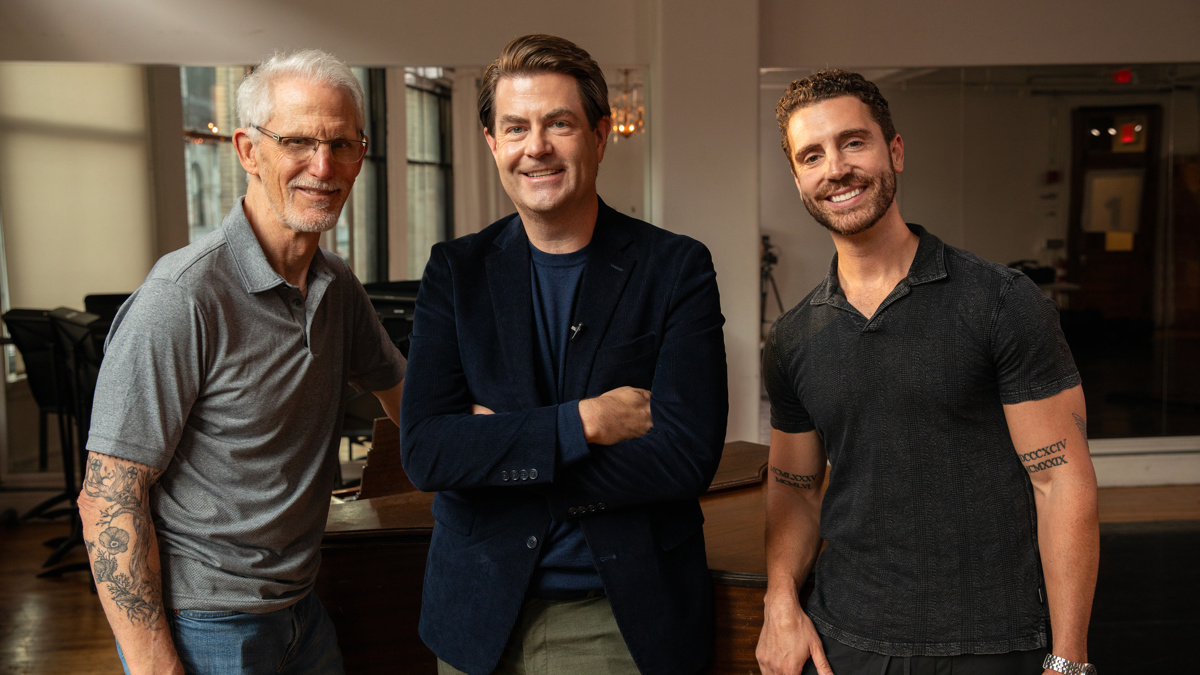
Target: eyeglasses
[{"x": 302, "y": 148}]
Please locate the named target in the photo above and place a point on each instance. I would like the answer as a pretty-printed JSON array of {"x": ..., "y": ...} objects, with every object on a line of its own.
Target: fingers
[
  {"x": 477, "y": 409},
  {"x": 819, "y": 660},
  {"x": 635, "y": 392},
  {"x": 617, "y": 415},
  {"x": 788, "y": 640},
  {"x": 636, "y": 411}
]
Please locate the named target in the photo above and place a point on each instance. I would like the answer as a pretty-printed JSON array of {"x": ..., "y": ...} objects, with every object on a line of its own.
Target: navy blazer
[{"x": 652, "y": 319}]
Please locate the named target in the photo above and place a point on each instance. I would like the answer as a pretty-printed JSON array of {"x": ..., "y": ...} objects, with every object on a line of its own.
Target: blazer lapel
[
  {"x": 512, "y": 303},
  {"x": 608, "y": 269}
]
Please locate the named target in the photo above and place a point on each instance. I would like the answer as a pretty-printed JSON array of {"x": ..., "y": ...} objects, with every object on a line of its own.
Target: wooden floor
[
  {"x": 56, "y": 626},
  {"x": 49, "y": 626}
]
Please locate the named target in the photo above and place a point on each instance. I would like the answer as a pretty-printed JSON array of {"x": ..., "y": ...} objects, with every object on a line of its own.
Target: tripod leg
[
  {"x": 776, "y": 289},
  {"x": 762, "y": 297}
]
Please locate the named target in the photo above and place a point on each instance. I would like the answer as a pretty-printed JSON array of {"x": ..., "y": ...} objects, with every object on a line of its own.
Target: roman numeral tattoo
[
  {"x": 1045, "y": 458},
  {"x": 138, "y": 592},
  {"x": 795, "y": 480}
]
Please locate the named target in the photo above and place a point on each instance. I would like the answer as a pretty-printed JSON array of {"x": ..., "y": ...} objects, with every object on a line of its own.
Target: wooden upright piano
[{"x": 375, "y": 548}]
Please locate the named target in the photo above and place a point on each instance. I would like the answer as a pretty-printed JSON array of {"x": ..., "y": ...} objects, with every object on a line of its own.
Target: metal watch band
[{"x": 1060, "y": 665}]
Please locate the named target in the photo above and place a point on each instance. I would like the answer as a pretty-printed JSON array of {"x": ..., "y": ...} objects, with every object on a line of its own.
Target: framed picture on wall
[{"x": 1112, "y": 200}]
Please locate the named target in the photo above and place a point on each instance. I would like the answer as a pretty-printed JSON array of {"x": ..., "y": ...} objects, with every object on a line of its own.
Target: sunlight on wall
[{"x": 74, "y": 181}]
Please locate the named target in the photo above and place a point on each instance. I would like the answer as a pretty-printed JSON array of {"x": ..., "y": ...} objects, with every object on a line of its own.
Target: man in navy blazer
[{"x": 567, "y": 399}]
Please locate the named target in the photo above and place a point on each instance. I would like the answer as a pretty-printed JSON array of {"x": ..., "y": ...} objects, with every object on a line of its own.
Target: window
[
  {"x": 430, "y": 174},
  {"x": 215, "y": 179}
]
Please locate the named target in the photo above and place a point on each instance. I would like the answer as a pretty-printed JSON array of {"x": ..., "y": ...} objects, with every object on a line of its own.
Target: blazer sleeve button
[
  {"x": 533, "y": 474},
  {"x": 524, "y": 474},
  {"x": 531, "y": 542},
  {"x": 504, "y": 475}
]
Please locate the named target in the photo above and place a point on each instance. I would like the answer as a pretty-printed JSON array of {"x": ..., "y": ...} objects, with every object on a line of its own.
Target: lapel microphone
[{"x": 575, "y": 331}]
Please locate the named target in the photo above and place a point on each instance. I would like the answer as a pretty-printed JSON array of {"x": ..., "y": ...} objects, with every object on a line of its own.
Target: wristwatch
[{"x": 1060, "y": 665}]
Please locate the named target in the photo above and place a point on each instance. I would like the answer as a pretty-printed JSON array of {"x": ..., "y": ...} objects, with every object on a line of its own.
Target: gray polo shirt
[{"x": 228, "y": 379}]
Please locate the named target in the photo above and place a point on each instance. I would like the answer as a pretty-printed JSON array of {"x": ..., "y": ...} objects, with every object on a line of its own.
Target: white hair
[{"x": 255, "y": 96}]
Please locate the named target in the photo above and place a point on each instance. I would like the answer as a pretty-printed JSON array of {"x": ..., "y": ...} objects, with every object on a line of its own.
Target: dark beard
[{"x": 865, "y": 217}]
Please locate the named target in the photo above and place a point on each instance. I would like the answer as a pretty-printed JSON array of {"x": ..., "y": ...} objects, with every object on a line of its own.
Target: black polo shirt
[{"x": 929, "y": 515}]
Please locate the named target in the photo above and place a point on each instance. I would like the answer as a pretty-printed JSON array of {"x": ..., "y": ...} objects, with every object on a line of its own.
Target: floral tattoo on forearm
[{"x": 138, "y": 593}]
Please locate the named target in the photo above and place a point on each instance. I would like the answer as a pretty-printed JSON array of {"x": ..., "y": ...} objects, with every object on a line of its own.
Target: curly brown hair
[
  {"x": 533, "y": 54},
  {"x": 827, "y": 84}
]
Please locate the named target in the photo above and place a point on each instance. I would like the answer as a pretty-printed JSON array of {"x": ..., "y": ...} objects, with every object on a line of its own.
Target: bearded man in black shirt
[{"x": 960, "y": 513}]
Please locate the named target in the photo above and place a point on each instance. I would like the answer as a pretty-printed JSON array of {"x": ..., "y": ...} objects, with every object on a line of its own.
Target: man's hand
[
  {"x": 615, "y": 416},
  {"x": 788, "y": 640}
]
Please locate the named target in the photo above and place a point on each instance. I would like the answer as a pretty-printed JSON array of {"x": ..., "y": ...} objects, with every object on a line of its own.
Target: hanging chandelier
[{"x": 628, "y": 109}]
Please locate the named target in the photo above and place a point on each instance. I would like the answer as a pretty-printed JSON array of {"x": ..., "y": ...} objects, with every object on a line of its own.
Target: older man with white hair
[{"x": 216, "y": 421}]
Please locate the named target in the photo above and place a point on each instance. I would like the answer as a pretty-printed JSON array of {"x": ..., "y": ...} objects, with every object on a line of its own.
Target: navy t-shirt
[{"x": 566, "y": 564}]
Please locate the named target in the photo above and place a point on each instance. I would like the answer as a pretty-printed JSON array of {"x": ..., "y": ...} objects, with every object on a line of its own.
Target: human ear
[
  {"x": 245, "y": 151},
  {"x": 896, "y": 147}
]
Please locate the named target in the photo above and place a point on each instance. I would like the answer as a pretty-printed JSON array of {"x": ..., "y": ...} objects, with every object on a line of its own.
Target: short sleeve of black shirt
[{"x": 1033, "y": 360}]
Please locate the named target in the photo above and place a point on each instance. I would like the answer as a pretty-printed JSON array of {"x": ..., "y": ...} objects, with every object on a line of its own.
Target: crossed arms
[
  {"x": 629, "y": 460},
  {"x": 1051, "y": 442}
]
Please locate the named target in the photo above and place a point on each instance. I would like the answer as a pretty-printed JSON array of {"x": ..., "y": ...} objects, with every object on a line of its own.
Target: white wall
[
  {"x": 363, "y": 32},
  {"x": 977, "y": 32},
  {"x": 706, "y": 169},
  {"x": 74, "y": 181}
]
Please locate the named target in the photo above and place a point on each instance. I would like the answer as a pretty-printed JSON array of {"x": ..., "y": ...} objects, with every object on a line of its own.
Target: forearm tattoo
[
  {"x": 138, "y": 593},
  {"x": 795, "y": 480},
  {"x": 1045, "y": 458},
  {"x": 1082, "y": 424}
]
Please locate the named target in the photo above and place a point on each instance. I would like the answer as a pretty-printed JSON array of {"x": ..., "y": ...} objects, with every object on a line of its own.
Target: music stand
[
  {"x": 80, "y": 338},
  {"x": 50, "y": 384}
]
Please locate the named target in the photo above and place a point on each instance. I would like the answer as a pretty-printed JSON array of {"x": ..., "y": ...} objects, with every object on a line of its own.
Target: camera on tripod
[{"x": 767, "y": 257}]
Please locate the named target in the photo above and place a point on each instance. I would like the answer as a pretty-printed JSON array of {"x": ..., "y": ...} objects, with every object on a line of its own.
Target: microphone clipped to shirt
[{"x": 575, "y": 331}]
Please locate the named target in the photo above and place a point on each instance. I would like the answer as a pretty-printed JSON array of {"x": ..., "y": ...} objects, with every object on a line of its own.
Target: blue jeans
[{"x": 296, "y": 640}]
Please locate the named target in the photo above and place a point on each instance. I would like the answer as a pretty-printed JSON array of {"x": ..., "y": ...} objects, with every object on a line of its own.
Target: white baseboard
[{"x": 1164, "y": 460}]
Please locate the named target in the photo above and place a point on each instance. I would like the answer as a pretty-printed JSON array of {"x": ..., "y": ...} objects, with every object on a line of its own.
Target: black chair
[
  {"x": 79, "y": 337},
  {"x": 394, "y": 303},
  {"x": 50, "y": 384},
  {"x": 104, "y": 305}
]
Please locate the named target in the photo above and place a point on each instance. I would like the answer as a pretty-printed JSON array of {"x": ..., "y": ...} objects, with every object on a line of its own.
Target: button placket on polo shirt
[{"x": 295, "y": 305}]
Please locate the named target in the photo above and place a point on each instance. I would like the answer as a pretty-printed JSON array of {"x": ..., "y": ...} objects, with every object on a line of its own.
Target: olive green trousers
[{"x": 554, "y": 637}]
